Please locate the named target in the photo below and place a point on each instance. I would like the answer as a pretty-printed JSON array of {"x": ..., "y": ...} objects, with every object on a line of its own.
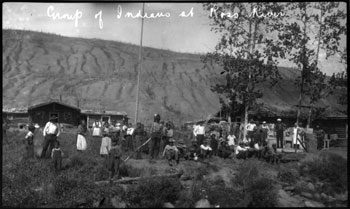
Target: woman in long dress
[
  {"x": 96, "y": 128},
  {"x": 106, "y": 144},
  {"x": 81, "y": 140}
]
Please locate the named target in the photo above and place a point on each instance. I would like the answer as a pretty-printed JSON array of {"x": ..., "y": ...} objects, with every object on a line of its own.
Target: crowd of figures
[{"x": 159, "y": 141}]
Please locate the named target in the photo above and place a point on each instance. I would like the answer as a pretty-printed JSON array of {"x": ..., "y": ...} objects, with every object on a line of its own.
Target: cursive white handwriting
[{"x": 55, "y": 15}]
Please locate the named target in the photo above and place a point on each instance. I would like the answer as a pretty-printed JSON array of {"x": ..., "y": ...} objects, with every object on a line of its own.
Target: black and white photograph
[{"x": 174, "y": 104}]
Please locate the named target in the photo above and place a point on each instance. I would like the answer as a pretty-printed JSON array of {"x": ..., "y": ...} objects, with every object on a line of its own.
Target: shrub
[
  {"x": 154, "y": 192},
  {"x": 288, "y": 175},
  {"x": 76, "y": 161},
  {"x": 262, "y": 193},
  {"x": 63, "y": 185},
  {"x": 330, "y": 168}
]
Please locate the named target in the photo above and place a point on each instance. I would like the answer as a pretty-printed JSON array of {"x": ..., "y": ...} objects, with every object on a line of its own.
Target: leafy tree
[
  {"x": 296, "y": 38},
  {"x": 244, "y": 51}
]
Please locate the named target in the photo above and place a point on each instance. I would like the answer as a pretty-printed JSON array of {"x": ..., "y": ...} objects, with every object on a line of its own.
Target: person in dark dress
[
  {"x": 29, "y": 143},
  {"x": 57, "y": 156},
  {"x": 138, "y": 136},
  {"x": 114, "y": 158},
  {"x": 320, "y": 133},
  {"x": 156, "y": 133}
]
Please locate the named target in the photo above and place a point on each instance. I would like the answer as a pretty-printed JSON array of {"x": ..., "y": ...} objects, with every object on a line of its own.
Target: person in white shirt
[
  {"x": 297, "y": 136},
  {"x": 129, "y": 137},
  {"x": 231, "y": 139},
  {"x": 205, "y": 149},
  {"x": 199, "y": 133},
  {"x": 96, "y": 128},
  {"x": 51, "y": 132},
  {"x": 250, "y": 129}
]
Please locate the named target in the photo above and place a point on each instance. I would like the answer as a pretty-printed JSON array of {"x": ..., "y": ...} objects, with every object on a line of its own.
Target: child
[
  {"x": 57, "y": 156},
  {"x": 114, "y": 158},
  {"x": 193, "y": 151},
  {"x": 171, "y": 152},
  {"x": 29, "y": 142}
]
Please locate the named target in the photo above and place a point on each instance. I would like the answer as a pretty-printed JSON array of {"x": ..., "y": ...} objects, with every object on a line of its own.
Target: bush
[
  {"x": 330, "y": 168},
  {"x": 63, "y": 185},
  {"x": 262, "y": 193},
  {"x": 154, "y": 192},
  {"x": 288, "y": 175}
]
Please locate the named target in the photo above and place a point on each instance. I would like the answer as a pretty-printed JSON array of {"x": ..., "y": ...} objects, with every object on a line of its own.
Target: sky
[{"x": 182, "y": 34}]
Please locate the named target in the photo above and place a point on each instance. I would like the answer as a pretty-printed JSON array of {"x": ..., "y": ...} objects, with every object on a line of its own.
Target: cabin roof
[{"x": 51, "y": 102}]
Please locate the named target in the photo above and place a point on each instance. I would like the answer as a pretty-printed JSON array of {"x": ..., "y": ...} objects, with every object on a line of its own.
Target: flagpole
[{"x": 140, "y": 69}]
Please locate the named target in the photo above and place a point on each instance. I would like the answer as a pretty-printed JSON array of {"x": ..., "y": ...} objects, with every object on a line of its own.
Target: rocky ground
[{"x": 212, "y": 183}]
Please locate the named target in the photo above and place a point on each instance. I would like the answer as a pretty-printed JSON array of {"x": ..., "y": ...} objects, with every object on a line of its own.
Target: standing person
[
  {"x": 51, "y": 132},
  {"x": 320, "y": 133},
  {"x": 129, "y": 137},
  {"x": 106, "y": 144},
  {"x": 297, "y": 136},
  {"x": 56, "y": 156},
  {"x": 258, "y": 135},
  {"x": 29, "y": 142},
  {"x": 250, "y": 129},
  {"x": 214, "y": 144},
  {"x": 200, "y": 131},
  {"x": 266, "y": 130},
  {"x": 138, "y": 135},
  {"x": 96, "y": 128},
  {"x": 81, "y": 134},
  {"x": 194, "y": 132},
  {"x": 156, "y": 132},
  {"x": 114, "y": 159},
  {"x": 231, "y": 140},
  {"x": 279, "y": 129},
  {"x": 169, "y": 134}
]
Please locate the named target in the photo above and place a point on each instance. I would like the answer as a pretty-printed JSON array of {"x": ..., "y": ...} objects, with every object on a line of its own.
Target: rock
[
  {"x": 341, "y": 197},
  {"x": 285, "y": 200},
  {"x": 313, "y": 204},
  {"x": 278, "y": 186},
  {"x": 317, "y": 196},
  {"x": 324, "y": 196},
  {"x": 81, "y": 201},
  {"x": 117, "y": 202},
  {"x": 306, "y": 194},
  {"x": 319, "y": 184},
  {"x": 168, "y": 205},
  {"x": 202, "y": 203},
  {"x": 289, "y": 188},
  {"x": 331, "y": 199},
  {"x": 311, "y": 187}
]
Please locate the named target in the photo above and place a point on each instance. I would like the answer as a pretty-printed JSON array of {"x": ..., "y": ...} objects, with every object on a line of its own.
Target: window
[{"x": 67, "y": 116}]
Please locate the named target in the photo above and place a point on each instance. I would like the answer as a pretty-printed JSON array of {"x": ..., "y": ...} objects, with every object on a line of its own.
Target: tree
[
  {"x": 296, "y": 39},
  {"x": 244, "y": 51}
]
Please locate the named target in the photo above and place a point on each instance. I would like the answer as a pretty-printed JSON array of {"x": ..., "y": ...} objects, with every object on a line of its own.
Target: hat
[
  {"x": 264, "y": 122},
  {"x": 279, "y": 119}
]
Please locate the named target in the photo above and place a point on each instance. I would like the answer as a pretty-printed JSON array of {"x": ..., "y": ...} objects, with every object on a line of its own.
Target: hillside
[{"x": 101, "y": 74}]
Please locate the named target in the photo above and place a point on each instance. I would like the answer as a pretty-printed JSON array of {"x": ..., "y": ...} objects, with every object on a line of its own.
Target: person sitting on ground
[
  {"x": 114, "y": 159},
  {"x": 224, "y": 150},
  {"x": 29, "y": 142},
  {"x": 106, "y": 144},
  {"x": 193, "y": 151},
  {"x": 171, "y": 152},
  {"x": 56, "y": 156},
  {"x": 269, "y": 154},
  {"x": 181, "y": 146},
  {"x": 206, "y": 150},
  {"x": 241, "y": 151}
]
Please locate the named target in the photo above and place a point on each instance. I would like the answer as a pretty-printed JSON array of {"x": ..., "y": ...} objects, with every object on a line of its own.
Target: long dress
[
  {"x": 96, "y": 129},
  {"x": 106, "y": 145},
  {"x": 81, "y": 141},
  {"x": 296, "y": 136}
]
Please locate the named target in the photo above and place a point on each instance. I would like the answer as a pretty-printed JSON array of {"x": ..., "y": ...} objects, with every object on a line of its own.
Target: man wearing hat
[
  {"x": 156, "y": 133},
  {"x": 250, "y": 129},
  {"x": 279, "y": 129},
  {"x": 171, "y": 152},
  {"x": 265, "y": 128},
  {"x": 51, "y": 132},
  {"x": 199, "y": 132}
]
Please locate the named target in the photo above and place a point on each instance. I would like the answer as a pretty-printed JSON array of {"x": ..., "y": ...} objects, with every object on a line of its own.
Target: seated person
[
  {"x": 224, "y": 150},
  {"x": 270, "y": 155},
  {"x": 181, "y": 146},
  {"x": 171, "y": 152},
  {"x": 231, "y": 140},
  {"x": 241, "y": 151},
  {"x": 205, "y": 150},
  {"x": 193, "y": 151}
]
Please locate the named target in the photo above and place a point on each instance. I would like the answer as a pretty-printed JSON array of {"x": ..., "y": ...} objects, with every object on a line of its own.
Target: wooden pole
[{"x": 139, "y": 72}]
